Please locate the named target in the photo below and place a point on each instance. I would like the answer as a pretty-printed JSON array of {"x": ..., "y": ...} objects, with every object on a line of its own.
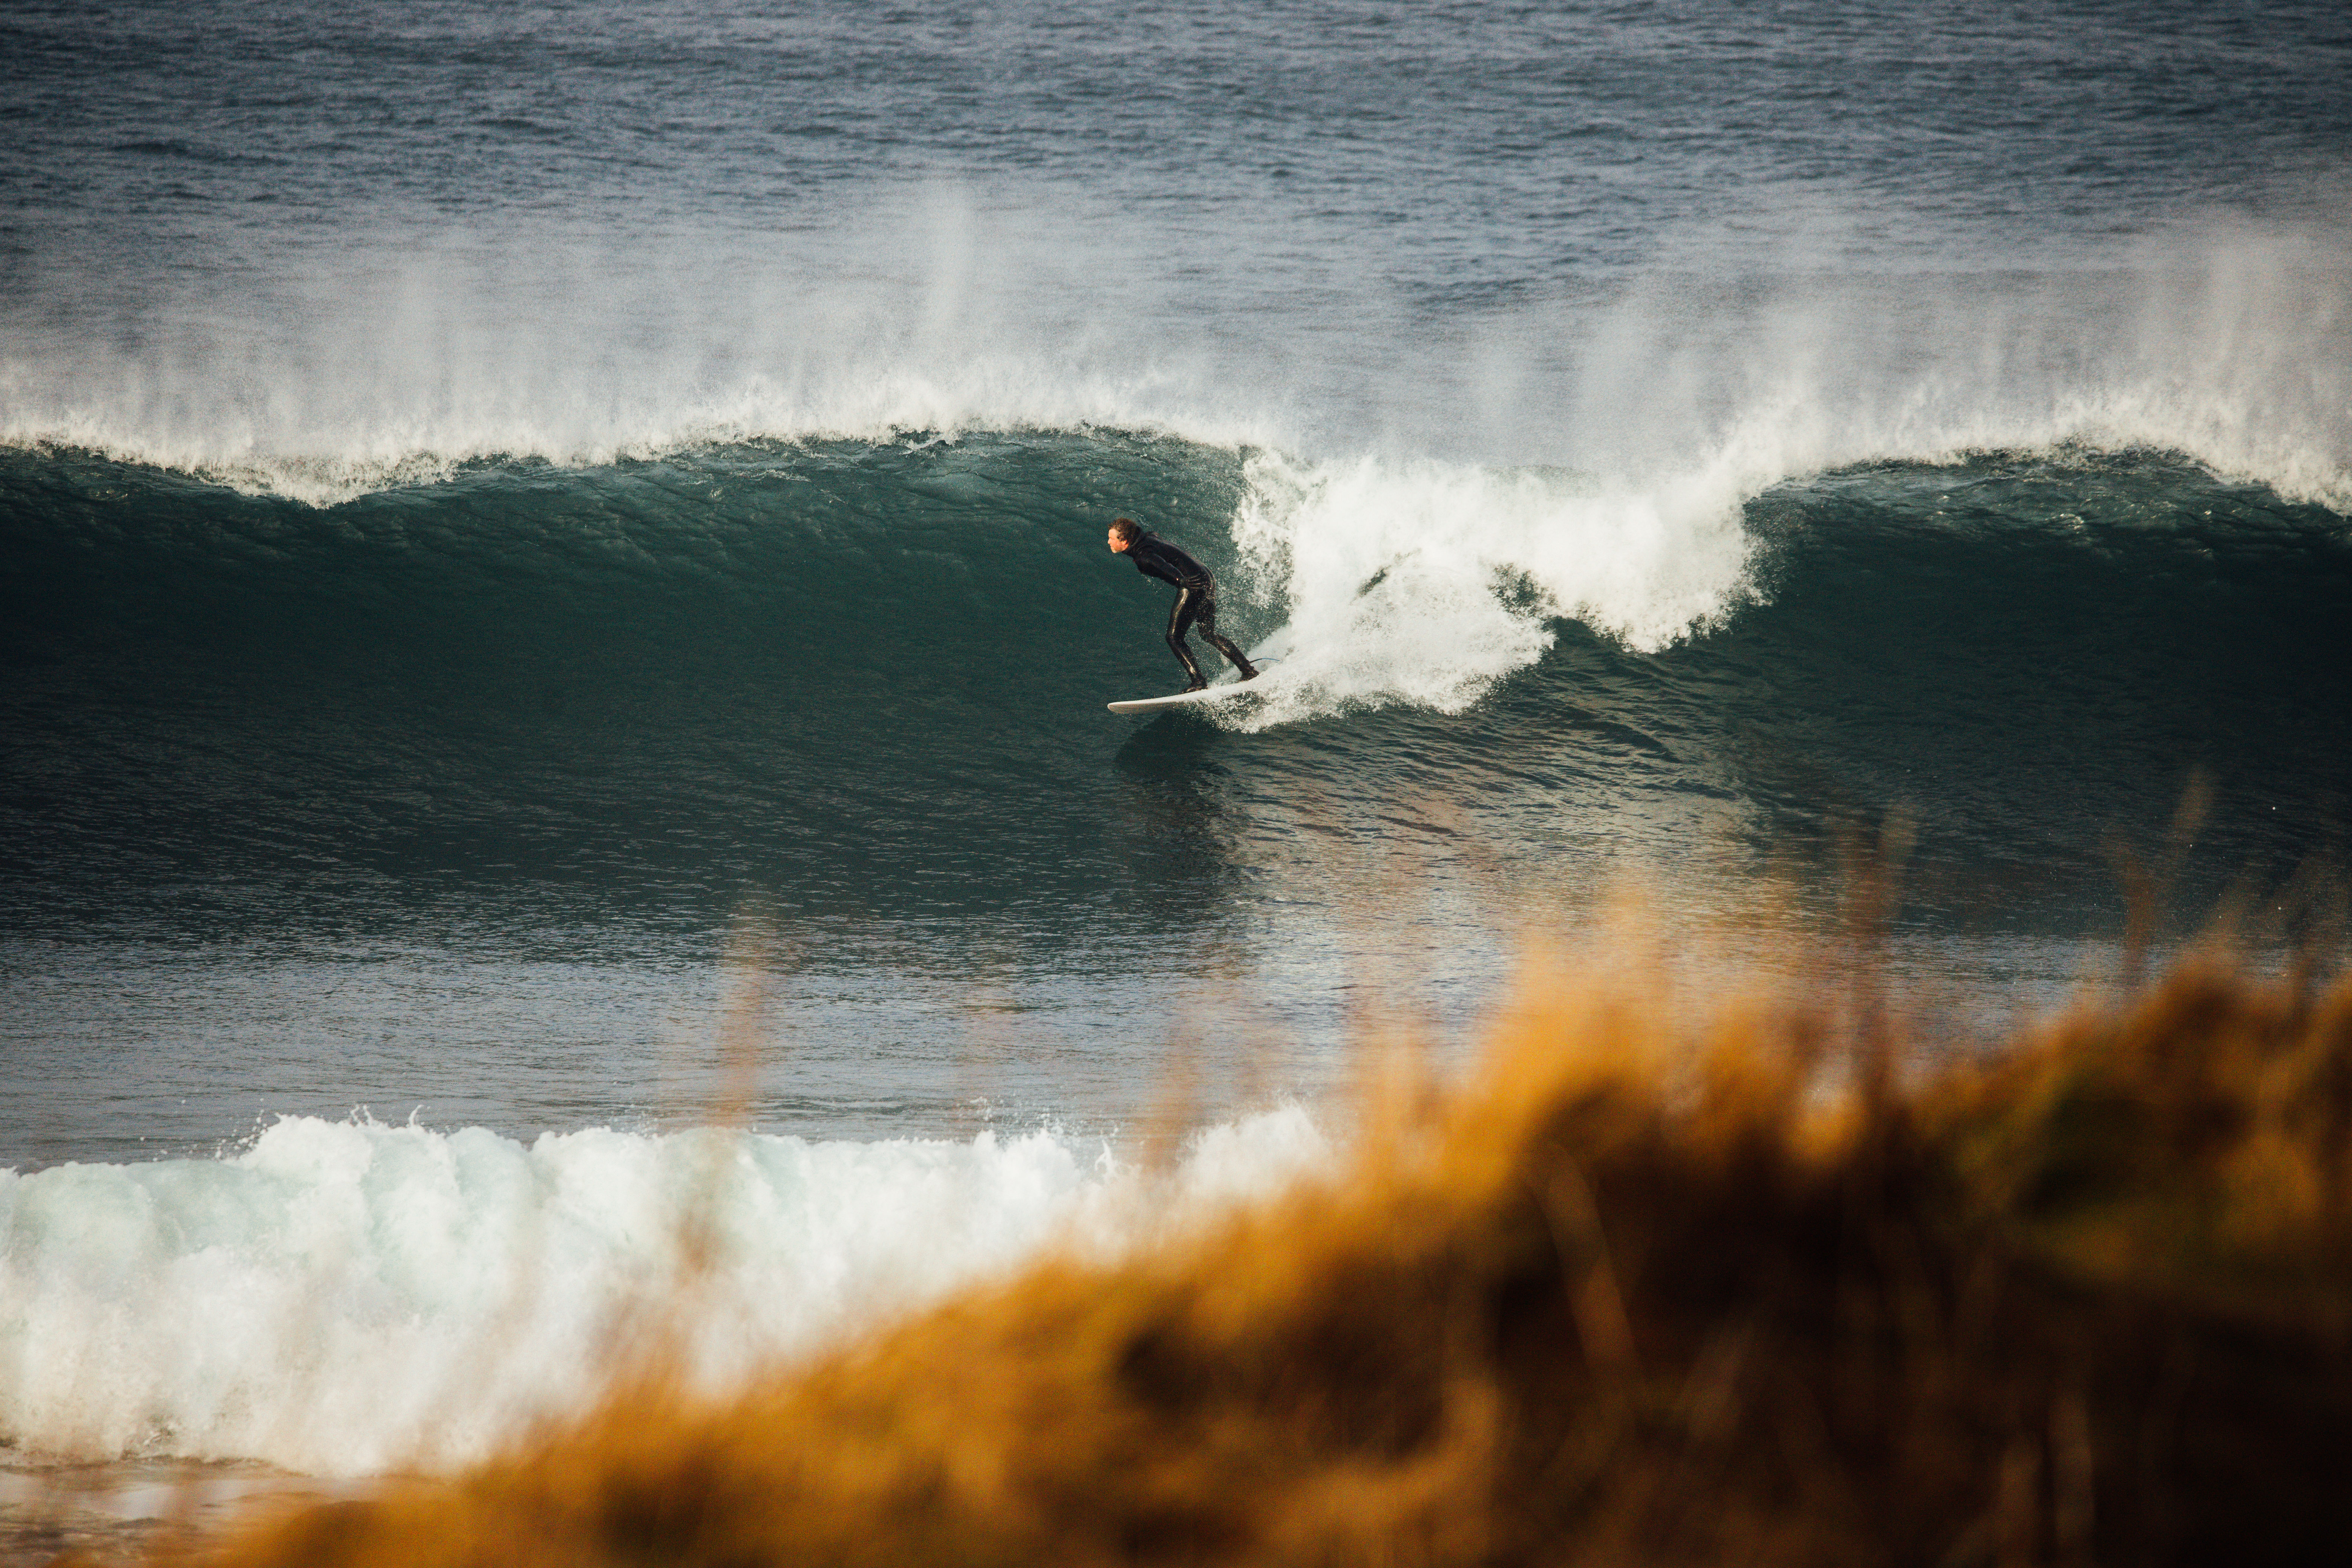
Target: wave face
[{"x": 865, "y": 681}]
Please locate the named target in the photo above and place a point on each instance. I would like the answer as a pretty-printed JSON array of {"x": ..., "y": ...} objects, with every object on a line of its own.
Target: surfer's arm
[{"x": 1155, "y": 557}]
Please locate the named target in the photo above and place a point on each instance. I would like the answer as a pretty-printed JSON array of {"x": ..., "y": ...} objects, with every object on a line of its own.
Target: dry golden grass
[{"x": 1626, "y": 1294}]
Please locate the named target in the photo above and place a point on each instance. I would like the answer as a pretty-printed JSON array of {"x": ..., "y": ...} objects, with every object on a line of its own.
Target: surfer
[{"x": 1196, "y": 595}]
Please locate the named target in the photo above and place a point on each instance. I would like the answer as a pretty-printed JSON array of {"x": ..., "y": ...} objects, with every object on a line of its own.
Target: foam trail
[{"x": 344, "y": 1298}]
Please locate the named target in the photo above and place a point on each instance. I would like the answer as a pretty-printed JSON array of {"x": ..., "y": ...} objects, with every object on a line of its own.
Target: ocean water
[{"x": 555, "y": 623}]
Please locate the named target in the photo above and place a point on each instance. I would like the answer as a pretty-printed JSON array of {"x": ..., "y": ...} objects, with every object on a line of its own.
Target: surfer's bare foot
[
  {"x": 1198, "y": 686},
  {"x": 1249, "y": 674}
]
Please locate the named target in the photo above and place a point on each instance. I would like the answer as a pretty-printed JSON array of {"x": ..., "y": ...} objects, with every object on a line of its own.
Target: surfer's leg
[
  {"x": 1180, "y": 616},
  {"x": 1233, "y": 656}
]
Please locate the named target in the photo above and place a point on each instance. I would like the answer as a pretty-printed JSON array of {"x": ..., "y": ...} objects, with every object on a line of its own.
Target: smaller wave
[{"x": 341, "y": 1298}]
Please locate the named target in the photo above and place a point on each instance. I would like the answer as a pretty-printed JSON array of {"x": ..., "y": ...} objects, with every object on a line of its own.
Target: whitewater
[
  {"x": 495, "y": 509},
  {"x": 348, "y": 1297}
]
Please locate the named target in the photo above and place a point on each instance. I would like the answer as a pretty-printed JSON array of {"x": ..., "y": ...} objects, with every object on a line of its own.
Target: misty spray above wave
[{"x": 410, "y": 352}]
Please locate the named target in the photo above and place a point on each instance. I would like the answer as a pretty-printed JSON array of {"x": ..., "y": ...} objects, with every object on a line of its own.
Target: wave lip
[{"x": 2226, "y": 341}]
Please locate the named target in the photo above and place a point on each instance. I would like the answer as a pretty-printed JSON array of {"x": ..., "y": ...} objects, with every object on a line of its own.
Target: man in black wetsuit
[{"x": 1196, "y": 595}]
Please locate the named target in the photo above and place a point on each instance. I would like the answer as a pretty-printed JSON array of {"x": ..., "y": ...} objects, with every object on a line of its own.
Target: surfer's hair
[{"x": 1127, "y": 527}]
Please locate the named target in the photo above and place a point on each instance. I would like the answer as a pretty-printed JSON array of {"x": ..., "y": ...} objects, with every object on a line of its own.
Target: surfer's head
[{"x": 1123, "y": 530}]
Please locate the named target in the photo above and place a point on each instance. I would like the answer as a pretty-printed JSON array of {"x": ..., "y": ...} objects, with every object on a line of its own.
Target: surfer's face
[{"x": 1117, "y": 543}]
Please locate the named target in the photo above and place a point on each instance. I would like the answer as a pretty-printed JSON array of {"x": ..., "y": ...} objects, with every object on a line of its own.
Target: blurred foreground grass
[{"x": 1634, "y": 1290}]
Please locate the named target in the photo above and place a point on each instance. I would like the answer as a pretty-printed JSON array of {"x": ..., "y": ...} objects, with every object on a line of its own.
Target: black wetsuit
[{"x": 1196, "y": 602}]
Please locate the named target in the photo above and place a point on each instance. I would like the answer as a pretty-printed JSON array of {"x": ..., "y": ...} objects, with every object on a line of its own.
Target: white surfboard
[
  {"x": 1182, "y": 698},
  {"x": 1217, "y": 693}
]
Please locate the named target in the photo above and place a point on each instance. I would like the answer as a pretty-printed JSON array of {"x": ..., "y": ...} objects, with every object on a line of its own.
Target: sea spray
[
  {"x": 341, "y": 1298},
  {"x": 963, "y": 310},
  {"x": 2225, "y": 342}
]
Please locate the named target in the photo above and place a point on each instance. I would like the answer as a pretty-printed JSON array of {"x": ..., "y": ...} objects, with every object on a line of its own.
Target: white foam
[
  {"x": 342, "y": 1297},
  {"x": 1411, "y": 579},
  {"x": 1424, "y": 582}
]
